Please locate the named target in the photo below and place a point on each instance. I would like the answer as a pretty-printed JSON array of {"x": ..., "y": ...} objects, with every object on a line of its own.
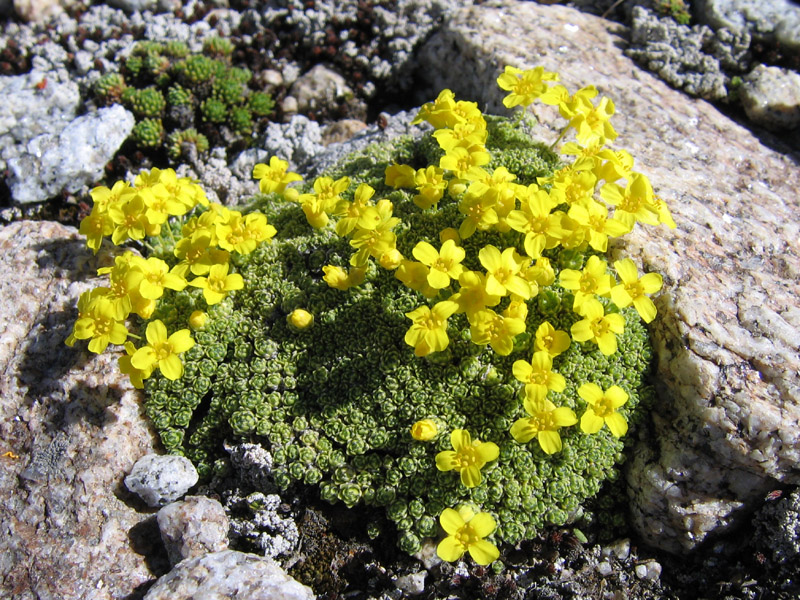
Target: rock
[
  {"x": 50, "y": 162},
  {"x": 28, "y": 111},
  {"x": 228, "y": 574},
  {"x": 676, "y": 53},
  {"x": 130, "y": 6},
  {"x": 297, "y": 141},
  {"x": 262, "y": 522},
  {"x": 777, "y": 529},
  {"x": 193, "y": 527},
  {"x": 774, "y": 22},
  {"x": 75, "y": 424},
  {"x": 160, "y": 479},
  {"x": 38, "y": 11},
  {"x": 320, "y": 90},
  {"x": 412, "y": 584},
  {"x": 727, "y": 422},
  {"x": 771, "y": 97},
  {"x": 222, "y": 183},
  {"x": 341, "y": 131}
]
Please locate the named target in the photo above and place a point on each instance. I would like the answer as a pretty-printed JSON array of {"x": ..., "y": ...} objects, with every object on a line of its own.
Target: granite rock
[
  {"x": 193, "y": 527},
  {"x": 160, "y": 479},
  {"x": 28, "y": 111},
  {"x": 771, "y": 97},
  {"x": 71, "y": 158},
  {"x": 727, "y": 425},
  {"x": 774, "y": 22},
  {"x": 75, "y": 425},
  {"x": 320, "y": 90},
  {"x": 228, "y": 574}
]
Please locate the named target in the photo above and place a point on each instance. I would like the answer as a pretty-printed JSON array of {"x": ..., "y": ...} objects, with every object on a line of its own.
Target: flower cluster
[
  {"x": 200, "y": 259},
  {"x": 577, "y": 209}
]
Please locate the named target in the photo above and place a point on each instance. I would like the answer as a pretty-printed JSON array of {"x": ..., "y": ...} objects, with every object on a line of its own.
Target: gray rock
[
  {"x": 341, "y": 131},
  {"x": 728, "y": 371},
  {"x": 260, "y": 521},
  {"x": 228, "y": 574},
  {"x": 28, "y": 111},
  {"x": 771, "y": 97},
  {"x": 131, "y": 6},
  {"x": 160, "y": 479},
  {"x": 70, "y": 159},
  {"x": 38, "y": 11},
  {"x": 675, "y": 53},
  {"x": 221, "y": 182},
  {"x": 76, "y": 425},
  {"x": 297, "y": 141},
  {"x": 777, "y": 529},
  {"x": 193, "y": 527},
  {"x": 412, "y": 584},
  {"x": 320, "y": 90},
  {"x": 775, "y": 22}
]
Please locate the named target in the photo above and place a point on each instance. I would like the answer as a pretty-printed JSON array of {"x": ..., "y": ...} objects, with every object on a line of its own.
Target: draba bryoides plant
[{"x": 433, "y": 329}]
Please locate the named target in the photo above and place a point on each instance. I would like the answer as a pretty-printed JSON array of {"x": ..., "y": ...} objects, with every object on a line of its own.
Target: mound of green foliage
[{"x": 334, "y": 402}]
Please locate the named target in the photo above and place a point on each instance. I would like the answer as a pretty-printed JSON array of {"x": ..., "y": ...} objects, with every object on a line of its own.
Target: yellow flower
[
  {"x": 275, "y": 177},
  {"x": 538, "y": 376},
  {"x": 598, "y": 327},
  {"x": 465, "y": 163},
  {"x": 525, "y": 86},
  {"x": 430, "y": 184},
  {"x": 399, "y": 176},
  {"x": 478, "y": 212},
  {"x": 424, "y": 430},
  {"x": 468, "y": 457},
  {"x": 444, "y": 264},
  {"x": 633, "y": 289},
  {"x": 633, "y": 202},
  {"x": 130, "y": 220},
  {"x": 602, "y": 409},
  {"x": 541, "y": 227},
  {"x": 543, "y": 424},
  {"x": 162, "y": 351},
  {"x": 465, "y": 532},
  {"x": 470, "y": 135},
  {"x": 550, "y": 340},
  {"x": 428, "y": 331},
  {"x": 156, "y": 277},
  {"x": 472, "y": 295},
  {"x": 99, "y": 326},
  {"x": 593, "y": 217},
  {"x": 137, "y": 376},
  {"x": 438, "y": 113},
  {"x": 218, "y": 283},
  {"x": 95, "y": 227},
  {"x": 487, "y": 327},
  {"x": 502, "y": 272},
  {"x": 351, "y": 212},
  {"x": 300, "y": 319},
  {"x": 593, "y": 280},
  {"x": 337, "y": 277}
]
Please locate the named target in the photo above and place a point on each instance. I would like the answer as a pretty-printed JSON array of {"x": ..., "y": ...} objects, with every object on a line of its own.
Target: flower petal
[
  {"x": 450, "y": 549},
  {"x": 156, "y": 333},
  {"x": 617, "y": 424},
  {"x": 483, "y": 552},
  {"x": 590, "y": 422},
  {"x": 591, "y": 392},
  {"x": 483, "y": 524},
  {"x": 451, "y": 521},
  {"x": 550, "y": 441}
]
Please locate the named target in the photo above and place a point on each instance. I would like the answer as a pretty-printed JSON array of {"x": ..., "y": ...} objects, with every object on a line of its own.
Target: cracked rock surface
[{"x": 728, "y": 423}]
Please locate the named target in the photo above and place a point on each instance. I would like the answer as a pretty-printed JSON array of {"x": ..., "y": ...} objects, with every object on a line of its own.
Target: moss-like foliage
[
  {"x": 180, "y": 90},
  {"x": 334, "y": 403}
]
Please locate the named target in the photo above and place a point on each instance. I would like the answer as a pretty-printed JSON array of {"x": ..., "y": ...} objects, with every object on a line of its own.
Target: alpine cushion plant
[{"x": 432, "y": 327}]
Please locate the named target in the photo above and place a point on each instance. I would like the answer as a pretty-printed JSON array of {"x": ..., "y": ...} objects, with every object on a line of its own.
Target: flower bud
[
  {"x": 424, "y": 430},
  {"x": 197, "y": 319},
  {"x": 300, "y": 319}
]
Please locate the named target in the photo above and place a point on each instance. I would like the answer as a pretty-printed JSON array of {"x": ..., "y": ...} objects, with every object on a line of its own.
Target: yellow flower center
[
  {"x": 600, "y": 327},
  {"x": 602, "y": 408},
  {"x": 468, "y": 457},
  {"x": 587, "y": 283},
  {"x": 162, "y": 350},
  {"x": 102, "y": 326},
  {"x": 466, "y": 536},
  {"x": 634, "y": 289},
  {"x": 216, "y": 284}
]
